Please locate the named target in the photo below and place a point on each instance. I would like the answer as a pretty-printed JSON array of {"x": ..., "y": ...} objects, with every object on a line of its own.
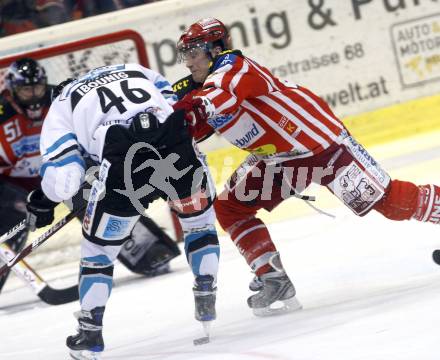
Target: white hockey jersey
[{"x": 78, "y": 120}]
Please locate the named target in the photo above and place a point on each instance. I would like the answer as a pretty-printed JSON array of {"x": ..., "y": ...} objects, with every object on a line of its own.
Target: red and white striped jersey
[
  {"x": 257, "y": 112},
  {"x": 19, "y": 141}
]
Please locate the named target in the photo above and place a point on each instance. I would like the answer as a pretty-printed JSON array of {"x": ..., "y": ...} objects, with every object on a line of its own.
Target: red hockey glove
[
  {"x": 199, "y": 109},
  {"x": 203, "y": 109},
  {"x": 185, "y": 104}
]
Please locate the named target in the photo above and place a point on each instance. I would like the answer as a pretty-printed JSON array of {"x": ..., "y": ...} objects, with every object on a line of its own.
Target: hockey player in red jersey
[
  {"x": 294, "y": 139},
  {"x": 23, "y": 105}
]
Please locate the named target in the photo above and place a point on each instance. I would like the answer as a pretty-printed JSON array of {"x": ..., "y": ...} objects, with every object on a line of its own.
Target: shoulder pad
[
  {"x": 228, "y": 57},
  {"x": 185, "y": 86}
]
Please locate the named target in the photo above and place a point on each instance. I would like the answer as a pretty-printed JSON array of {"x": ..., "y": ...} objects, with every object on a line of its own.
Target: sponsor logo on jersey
[
  {"x": 26, "y": 146},
  {"x": 228, "y": 59},
  {"x": 244, "y": 131},
  {"x": 114, "y": 227},
  {"x": 33, "y": 171},
  {"x": 219, "y": 121},
  {"x": 249, "y": 137},
  {"x": 365, "y": 159},
  {"x": 287, "y": 125},
  {"x": 181, "y": 85},
  {"x": 90, "y": 210}
]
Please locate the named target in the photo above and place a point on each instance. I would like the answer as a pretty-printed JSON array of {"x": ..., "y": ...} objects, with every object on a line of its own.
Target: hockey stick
[
  {"x": 40, "y": 240},
  {"x": 46, "y": 293},
  {"x": 17, "y": 228}
]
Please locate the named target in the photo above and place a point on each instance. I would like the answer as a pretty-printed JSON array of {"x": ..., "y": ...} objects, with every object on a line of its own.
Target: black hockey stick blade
[{"x": 53, "y": 296}]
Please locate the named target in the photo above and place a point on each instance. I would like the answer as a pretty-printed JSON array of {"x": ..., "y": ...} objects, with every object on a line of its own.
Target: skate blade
[
  {"x": 85, "y": 355},
  {"x": 201, "y": 341},
  {"x": 206, "y": 329},
  {"x": 287, "y": 306}
]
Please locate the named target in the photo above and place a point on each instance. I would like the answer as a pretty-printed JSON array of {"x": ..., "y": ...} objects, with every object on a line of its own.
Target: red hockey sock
[
  {"x": 254, "y": 242},
  {"x": 400, "y": 201},
  {"x": 428, "y": 204}
]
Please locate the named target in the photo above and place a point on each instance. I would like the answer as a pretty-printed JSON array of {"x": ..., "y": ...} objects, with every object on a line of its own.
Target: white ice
[{"x": 369, "y": 288}]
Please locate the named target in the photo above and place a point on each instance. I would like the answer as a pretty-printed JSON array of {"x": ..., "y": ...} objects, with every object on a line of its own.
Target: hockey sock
[
  {"x": 95, "y": 281},
  {"x": 254, "y": 242},
  {"x": 428, "y": 204}
]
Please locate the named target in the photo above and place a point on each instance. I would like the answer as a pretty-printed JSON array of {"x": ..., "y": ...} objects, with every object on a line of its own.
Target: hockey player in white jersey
[{"x": 122, "y": 117}]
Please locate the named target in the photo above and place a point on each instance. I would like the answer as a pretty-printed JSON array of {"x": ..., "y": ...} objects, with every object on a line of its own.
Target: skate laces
[{"x": 86, "y": 321}]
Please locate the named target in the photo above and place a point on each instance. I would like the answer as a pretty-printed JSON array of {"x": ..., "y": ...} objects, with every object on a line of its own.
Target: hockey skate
[
  {"x": 276, "y": 293},
  {"x": 204, "y": 300},
  {"x": 256, "y": 284},
  {"x": 88, "y": 344}
]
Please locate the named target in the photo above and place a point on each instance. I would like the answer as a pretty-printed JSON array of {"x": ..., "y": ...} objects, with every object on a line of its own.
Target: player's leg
[
  {"x": 107, "y": 223},
  {"x": 254, "y": 186},
  {"x": 149, "y": 249},
  {"x": 193, "y": 206},
  {"x": 362, "y": 185}
]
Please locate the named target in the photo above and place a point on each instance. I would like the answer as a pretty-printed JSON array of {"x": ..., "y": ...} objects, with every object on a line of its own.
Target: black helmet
[{"x": 27, "y": 81}]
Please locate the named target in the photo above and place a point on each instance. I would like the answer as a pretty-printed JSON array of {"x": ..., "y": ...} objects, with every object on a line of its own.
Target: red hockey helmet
[{"x": 205, "y": 34}]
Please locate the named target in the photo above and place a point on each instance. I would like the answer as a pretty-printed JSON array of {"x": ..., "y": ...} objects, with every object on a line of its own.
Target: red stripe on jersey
[
  {"x": 319, "y": 113},
  {"x": 223, "y": 101},
  {"x": 325, "y": 107},
  {"x": 310, "y": 122},
  {"x": 302, "y": 137}
]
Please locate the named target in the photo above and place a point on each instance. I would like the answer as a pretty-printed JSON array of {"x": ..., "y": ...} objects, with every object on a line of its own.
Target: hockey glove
[
  {"x": 199, "y": 109},
  {"x": 40, "y": 210}
]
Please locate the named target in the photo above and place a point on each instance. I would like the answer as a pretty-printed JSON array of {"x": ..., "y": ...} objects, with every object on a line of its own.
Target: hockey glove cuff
[{"x": 40, "y": 210}]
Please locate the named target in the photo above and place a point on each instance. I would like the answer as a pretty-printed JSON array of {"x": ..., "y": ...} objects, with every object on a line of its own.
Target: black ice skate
[
  {"x": 204, "y": 300},
  {"x": 88, "y": 344},
  {"x": 276, "y": 293}
]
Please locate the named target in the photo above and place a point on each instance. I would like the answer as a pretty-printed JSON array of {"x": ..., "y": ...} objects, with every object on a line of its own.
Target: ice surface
[{"x": 368, "y": 287}]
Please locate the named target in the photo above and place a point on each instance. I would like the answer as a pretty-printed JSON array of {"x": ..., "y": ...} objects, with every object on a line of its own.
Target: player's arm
[
  {"x": 62, "y": 169},
  {"x": 226, "y": 88},
  {"x": 232, "y": 81}
]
